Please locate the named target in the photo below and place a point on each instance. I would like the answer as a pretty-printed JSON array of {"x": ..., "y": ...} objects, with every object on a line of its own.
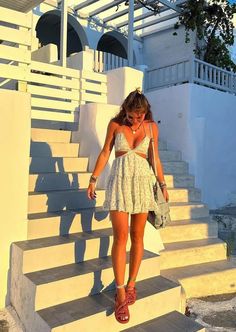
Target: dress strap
[
  {"x": 150, "y": 129},
  {"x": 144, "y": 130}
]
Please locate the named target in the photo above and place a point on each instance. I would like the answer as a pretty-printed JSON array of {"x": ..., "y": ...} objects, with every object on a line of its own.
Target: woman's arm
[
  {"x": 106, "y": 150},
  {"x": 159, "y": 168},
  {"x": 102, "y": 158}
]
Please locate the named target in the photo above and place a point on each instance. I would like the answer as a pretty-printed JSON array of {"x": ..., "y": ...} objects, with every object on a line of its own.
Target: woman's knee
[
  {"x": 120, "y": 238},
  {"x": 136, "y": 237}
]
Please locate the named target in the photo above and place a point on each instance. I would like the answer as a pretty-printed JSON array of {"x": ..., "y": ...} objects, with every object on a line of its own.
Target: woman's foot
[
  {"x": 121, "y": 305},
  {"x": 131, "y": 294}
]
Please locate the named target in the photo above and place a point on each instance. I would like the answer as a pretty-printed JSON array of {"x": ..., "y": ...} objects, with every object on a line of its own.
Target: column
[
  {"x": 63, "y": 38},
  {"x": 131, "y": 34}
]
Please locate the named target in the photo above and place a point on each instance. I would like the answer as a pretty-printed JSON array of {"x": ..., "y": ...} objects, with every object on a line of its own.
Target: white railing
[
  {"x": 104, "y": 61},
  {"x": 190, "y": 71},
  {"x": 56, "y": 92}
]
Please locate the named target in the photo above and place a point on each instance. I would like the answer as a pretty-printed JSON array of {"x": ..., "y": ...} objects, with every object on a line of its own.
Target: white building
[{"x": 62, "y": 78}]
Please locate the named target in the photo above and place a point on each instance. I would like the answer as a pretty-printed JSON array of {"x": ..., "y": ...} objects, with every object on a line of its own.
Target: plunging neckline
[{"x": 121, "y": 132}]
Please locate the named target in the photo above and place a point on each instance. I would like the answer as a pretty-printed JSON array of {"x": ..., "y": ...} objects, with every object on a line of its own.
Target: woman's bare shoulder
[
  {"x": 112, "y": 126},
  {"x": 152, "y": 122}
]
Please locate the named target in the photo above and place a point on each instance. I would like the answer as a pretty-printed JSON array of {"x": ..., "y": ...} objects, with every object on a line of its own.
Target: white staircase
[{"x": 62, "y": 277}]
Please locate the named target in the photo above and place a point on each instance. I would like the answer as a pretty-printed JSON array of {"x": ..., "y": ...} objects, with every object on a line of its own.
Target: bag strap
[{"x": 153, "y": 150}]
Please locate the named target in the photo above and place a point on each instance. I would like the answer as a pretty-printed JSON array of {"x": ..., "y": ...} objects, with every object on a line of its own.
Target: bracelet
[
  {"x": 93, "y": 179},
  {"x": 162, "y": 184}
]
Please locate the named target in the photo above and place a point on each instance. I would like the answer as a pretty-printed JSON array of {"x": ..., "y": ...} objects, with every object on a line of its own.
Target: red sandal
[
  {"x": 121, "y": 310},
  {"x": 131, "y": 295}
]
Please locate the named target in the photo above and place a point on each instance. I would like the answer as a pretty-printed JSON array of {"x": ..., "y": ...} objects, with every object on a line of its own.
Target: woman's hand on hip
[
  {"x": 165, "y": 194},
  {"x": 91, "y": 191}
]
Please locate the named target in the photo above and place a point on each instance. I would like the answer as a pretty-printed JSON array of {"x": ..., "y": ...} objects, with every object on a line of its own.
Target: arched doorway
[
  {"x": 113, "y": 42},
  {"x": 48, "y": 31}
]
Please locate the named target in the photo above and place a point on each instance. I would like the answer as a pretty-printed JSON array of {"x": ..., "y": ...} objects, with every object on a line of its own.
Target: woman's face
[{"x": 135, "y": 117}]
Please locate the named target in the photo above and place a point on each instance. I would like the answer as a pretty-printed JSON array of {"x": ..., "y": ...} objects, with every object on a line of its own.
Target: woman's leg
[
  {"x": 120, "y": 235},
  {"x": 138, "y": 222}
]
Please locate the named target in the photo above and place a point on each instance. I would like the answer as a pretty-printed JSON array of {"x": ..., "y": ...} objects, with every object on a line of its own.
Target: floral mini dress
[{"x": 129, "y": 186}]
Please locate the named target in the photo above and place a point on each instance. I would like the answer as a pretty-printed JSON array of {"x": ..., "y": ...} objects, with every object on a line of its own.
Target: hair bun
[{"x": 138, "y": 90}]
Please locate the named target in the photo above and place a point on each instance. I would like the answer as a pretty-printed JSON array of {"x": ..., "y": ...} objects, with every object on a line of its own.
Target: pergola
[{"x": 172, "y": 6}]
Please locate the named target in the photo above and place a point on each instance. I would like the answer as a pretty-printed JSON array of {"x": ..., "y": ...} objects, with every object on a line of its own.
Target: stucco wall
[
  {"x": 14, "y": 173},
  {"x": 162, "y": 48},
  {"x": 200, "y": 122}
]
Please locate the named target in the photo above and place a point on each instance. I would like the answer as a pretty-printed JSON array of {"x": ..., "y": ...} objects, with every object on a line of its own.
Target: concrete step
[
  {"x": 179, "y": 181},
  {"x": 192, "y": 229},
  {"x": 168, "y": 155},
  {"x": 184, "y": 253},
  {"x": 46, "y": 224},
  {"x": 46, "y": 253},
  {"x": 73, "y": 199},
  {"x": 56, "y": 165},
  {"x": 50, "y": 149},
  {"x": 212, "y": 278},
  {"x": 63, "y": 200},
  {"x": 74, "y": 281},
  {"x": 97, "y": 311},
  {"x": 58, "y": 181},
  {"x": 175, "y": 167},
  {"x": 174, "y": 321},
  {"x": 182, "y": 211},
  {"x": 49, "y": 224},
  {"x": 184, "y": 195},
  {"x": 50, "y": 135},
  {"x": 46, "y": 163},
  {"x": 65, "y": 181}
]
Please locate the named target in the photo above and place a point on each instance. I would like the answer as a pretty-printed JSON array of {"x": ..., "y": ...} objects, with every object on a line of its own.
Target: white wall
[
  {"x": 200, "y": 122},
  {"x": 162, "y": 48},
  {"x": 15, "y": 129}
]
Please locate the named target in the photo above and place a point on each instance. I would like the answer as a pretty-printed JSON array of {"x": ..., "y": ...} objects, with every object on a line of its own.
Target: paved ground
[{"x": 216, "y": 313}]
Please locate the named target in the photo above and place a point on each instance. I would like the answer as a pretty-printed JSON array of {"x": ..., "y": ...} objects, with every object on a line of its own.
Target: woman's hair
[{"x": 134, "y": 102}]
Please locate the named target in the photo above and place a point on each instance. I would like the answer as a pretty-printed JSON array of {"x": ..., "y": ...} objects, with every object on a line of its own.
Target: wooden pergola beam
[
  {"x": 141, "y": 17},
  {"x": 158, "y": 20}
]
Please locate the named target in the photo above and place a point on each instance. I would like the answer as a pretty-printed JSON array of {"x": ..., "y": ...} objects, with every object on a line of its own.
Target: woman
[{"x": 129, "y": 189}]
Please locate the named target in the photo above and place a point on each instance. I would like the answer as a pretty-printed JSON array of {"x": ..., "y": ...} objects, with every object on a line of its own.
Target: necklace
[{"x": 135, "y": 130}]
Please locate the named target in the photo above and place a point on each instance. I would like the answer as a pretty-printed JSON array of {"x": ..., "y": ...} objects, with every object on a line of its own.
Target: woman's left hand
[{"x": 165, "y": 194}]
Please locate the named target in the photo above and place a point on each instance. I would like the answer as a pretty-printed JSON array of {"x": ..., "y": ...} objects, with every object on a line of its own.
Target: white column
[
  {"x": 63, "y": 38},
  {"x": 131, "y": 33}
]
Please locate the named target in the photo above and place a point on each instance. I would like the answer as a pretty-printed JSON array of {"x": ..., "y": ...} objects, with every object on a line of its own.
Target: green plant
[{"x": 212, "y": 21}]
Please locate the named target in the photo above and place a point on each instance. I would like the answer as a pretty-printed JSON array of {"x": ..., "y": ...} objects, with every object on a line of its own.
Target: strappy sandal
[
  {"x": 131, "y": 295},
  {"x": 121, "y": 310}
]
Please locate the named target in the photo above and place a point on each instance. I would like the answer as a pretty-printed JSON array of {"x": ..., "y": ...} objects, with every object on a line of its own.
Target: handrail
[{"x": 191, "y": 70}]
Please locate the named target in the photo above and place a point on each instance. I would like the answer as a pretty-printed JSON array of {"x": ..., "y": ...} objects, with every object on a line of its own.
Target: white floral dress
[{"x": 130, "y": 183}]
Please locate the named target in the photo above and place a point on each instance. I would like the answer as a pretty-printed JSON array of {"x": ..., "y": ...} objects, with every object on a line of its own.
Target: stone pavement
[{"x": 216, "y": 313}]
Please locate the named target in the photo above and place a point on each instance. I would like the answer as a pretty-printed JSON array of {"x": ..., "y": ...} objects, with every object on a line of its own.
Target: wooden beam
[
  {"x": 105, "y": 7},
  {"x": 171, "y": 5},
  {"x": 123, "y": 12},
  {"x": 158, "y": 20},
  {"x": 141, "y": 17},
  {"x": 84, "y": 4}
]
